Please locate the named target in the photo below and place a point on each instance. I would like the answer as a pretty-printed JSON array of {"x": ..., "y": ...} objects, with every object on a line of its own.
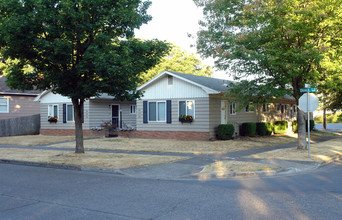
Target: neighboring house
[
  {"x": 16, "y": 103},
  {"x": 170, "y": 95},
  {"x": 97, "y": 110}
]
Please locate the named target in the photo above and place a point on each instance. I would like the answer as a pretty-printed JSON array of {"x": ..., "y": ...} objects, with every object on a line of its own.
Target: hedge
[
  {"x": 248, "y": 129},
  {"x": 225, "y": 131},
  {"x": 280, "y": 127},
  {"x": 264, "y": 128},
  {"x": 295, "y": 126}
]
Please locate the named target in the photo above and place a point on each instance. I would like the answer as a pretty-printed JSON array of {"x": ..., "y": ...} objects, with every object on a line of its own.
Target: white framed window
[
  {"x": 294, "y": 107},
  {"x": 250, "y": 107},
  {"x": 53, "y": 110},
  {"x": 187, "y": 108},
  {"x": 133, "y": 109},
  {"x": 70, "y": 112},
  {"x": 157, "y": 111},
  {"x": 266, "y": 107},
  {"x": 232, "y": 108},
  {"x": 4, "y": 105}
]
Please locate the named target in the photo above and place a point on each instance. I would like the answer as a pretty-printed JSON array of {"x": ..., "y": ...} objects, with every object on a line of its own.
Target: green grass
[{"x": 331, "y": 118}]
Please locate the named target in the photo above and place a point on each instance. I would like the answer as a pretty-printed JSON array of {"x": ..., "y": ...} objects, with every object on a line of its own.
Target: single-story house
[
  {"x": 173, "y": 105},
  {"x": 16, "y": 103},
  {"x": 97, "y": 110},
  {"x": 171, "y": 95}
]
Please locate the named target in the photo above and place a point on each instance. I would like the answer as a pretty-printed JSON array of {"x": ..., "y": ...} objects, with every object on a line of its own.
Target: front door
[{"x": 115, "y": 116}]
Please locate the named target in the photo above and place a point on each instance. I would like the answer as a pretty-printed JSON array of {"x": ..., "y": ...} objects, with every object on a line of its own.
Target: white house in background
[
  {"x": 165, "y": 99},
  {"x": 170, "y": 95},
  {"x": 96, "y": 111}
]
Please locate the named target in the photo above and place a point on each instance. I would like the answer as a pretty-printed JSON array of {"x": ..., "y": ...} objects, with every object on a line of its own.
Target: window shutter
[
  {"x": 64, "y": 113},
  {"x": 145, "y": 121},
  {"x": 168, "y": 111}
]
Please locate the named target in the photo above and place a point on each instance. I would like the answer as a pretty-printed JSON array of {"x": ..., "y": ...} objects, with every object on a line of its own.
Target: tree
[
  {"x": 77, "y": 48},
  {"x": 282, "y": 44},
  {"x": 178, "y": 60}
]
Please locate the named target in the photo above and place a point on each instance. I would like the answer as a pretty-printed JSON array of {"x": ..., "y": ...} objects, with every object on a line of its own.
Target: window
[
  {"x": 70, "y": 113},
  {"x": 187, "y": 108},
  {"x": 53, "y": 110},
  {"x": 157, "y": 111},
  {"x": 170, "y": 80},
  {"x": 133, "y": 109},
  {"x": 266, "y": 107},
  {"x": 232, "y": 108},
  {"x": 250, "y": 107},
  {"x": 4, "y": 105},
  {"x": 294, "y": 108}
]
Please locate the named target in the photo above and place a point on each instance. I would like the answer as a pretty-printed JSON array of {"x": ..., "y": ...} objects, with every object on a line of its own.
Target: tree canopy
[
  {"x": 77, "y": 48},
  {"x": 179, "y": 60},
  {"x": 282, "y": 44}
]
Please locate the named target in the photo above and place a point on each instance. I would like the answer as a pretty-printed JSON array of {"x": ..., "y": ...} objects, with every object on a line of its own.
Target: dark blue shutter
[
  {"x": 145, "y": 120},
  {"x": 168, "y": 111},
  {"x": 64, "y": 113}
]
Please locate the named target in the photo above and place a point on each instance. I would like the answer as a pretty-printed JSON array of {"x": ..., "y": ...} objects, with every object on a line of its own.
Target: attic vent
[{"x": 170, "y": 80}]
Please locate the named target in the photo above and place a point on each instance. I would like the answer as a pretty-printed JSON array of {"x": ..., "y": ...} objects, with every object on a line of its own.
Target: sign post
[{"x": 308, "y": 102}]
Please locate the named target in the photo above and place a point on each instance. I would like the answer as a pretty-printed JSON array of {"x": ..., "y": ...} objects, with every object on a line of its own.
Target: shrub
[
  {"x": 280, "y": 127},
  {"x": 261, "y": 128},
  {"x": 269, "y": 128},
  {"x": 225, "y": 131},
  {"x": 295, "y": 126},
  {"x": 248, "y": 129}
]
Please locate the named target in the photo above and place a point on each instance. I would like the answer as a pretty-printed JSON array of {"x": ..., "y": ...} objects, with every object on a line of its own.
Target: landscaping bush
[
  {"x": 261, "y": 128},
  {"x": 280, "y": 127},
  {"x": 225, "y": 131},
  {"x": 295, "y": 126},
  {"x": 248, "y": 129},
  {"x": 331, "y": 118},
  {"x": 269, "y": 128}
]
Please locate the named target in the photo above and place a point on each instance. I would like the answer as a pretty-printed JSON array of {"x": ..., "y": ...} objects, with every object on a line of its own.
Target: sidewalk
[{"x": 191, "y": 166}]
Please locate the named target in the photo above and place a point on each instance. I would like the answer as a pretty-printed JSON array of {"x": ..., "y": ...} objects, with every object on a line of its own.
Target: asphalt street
[{"x": 28, "y": 192}]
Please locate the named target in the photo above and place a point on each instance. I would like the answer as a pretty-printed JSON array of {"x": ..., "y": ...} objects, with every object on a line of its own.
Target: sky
[{"x": 173, "y": 20}]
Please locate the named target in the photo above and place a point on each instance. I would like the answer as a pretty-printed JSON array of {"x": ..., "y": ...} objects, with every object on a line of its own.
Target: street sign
[
  {"x": 303, "y": 102},
  {"x": 308, "y": 90}
]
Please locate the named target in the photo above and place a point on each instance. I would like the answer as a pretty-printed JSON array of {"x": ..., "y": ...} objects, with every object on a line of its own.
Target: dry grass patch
[
  {"x": 89, "y": 159},
  {"x": 320, "y": 152},
  {"x": 33, "y": 140},
  {"x": 169, "y": 146},
  {"x": 221, "y": 168}
]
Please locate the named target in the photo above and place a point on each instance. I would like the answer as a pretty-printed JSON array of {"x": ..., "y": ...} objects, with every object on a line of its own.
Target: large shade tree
[
  {"x": 77, "y": 48},
  {"x": 280, "y": 45},
  {"x": 181, "y": 61}
]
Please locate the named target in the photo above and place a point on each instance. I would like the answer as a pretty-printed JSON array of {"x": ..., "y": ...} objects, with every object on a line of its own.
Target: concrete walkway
[{"x": 190, "y": 168}]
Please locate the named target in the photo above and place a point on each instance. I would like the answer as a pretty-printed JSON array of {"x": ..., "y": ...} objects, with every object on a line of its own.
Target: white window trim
[
  {"x": 148, "y": 111},
  {"x": 230, "y": 107},
  {"x": 249, "y": 107},
  {"x": 50, "y": 114},
  {"x": 267, "y": 107},
  {"x": 73, "y": 113},
  {"x": 186, "y": 109},
  {"x": 135, "y": 109},
  {"x": 7, "y": 101}
]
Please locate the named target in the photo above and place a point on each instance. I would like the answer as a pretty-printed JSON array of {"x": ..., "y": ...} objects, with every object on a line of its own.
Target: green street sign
[{"x": 308, "y": 90}]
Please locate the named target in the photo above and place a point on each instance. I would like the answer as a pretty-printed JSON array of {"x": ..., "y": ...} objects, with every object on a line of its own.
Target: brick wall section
[{"x": 180, "y": 135}]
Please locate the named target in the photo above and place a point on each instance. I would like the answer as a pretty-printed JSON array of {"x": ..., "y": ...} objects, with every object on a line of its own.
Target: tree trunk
[
  {"x": 78, "y": 106},
  {"x": 301, "y": 130},
  {"x": 324, "y": 119}
]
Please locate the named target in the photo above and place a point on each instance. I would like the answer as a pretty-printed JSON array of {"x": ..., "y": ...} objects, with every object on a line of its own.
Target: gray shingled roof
[
  {"x": 212, "y": 83},
  {"x": 4, "y": 89}
]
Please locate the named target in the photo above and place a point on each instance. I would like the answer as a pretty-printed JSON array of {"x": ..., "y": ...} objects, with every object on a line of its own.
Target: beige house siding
[
  {"x": 20, "y": 106},
  {"x": 215, "y": 115},
  {"x": 200, "y": 123},
  {"x": 100, "y": 110}
]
